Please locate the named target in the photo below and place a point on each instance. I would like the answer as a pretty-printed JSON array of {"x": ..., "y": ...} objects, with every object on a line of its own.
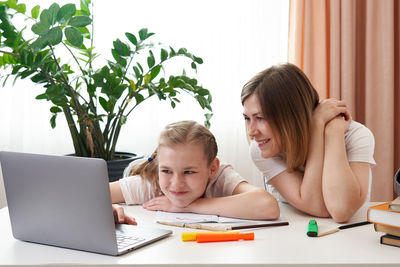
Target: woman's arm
[
  {"x": 247, "y": 202},
  {"x": 304, "y": 190},
  {"x": 344, "y": 184}
]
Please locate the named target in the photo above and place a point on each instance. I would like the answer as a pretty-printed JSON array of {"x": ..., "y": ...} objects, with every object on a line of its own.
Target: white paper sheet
[{"x": 204, "y": 218}]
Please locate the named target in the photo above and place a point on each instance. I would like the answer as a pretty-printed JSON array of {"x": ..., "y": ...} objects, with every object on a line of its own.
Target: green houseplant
[{"x": 95, "y": 100}]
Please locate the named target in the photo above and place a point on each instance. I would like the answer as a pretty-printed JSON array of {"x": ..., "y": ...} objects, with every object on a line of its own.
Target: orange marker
[
  {"x": 217, "y": 237},
  {"x": 191, "y": 236}
]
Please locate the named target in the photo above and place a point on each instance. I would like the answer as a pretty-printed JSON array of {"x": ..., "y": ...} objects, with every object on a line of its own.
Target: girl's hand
[
  {"x": 121, "y": 217},
  {"x": 328, "y": 109},
  {"x": 162, "y": 203}
]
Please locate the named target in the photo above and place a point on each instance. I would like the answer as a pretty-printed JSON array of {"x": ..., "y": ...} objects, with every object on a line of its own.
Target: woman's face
[
  {"x": 183, "y": 173},
  {"x": 258, "y": 128}
]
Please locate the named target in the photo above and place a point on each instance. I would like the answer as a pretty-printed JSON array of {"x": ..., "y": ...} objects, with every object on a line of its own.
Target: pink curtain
[{"x": 350, "y": 50}]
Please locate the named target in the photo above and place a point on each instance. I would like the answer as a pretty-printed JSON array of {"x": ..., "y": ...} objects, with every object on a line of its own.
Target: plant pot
[{"x": 117, "y": 166}]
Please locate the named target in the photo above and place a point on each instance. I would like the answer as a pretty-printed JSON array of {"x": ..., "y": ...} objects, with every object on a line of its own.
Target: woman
[{"x": 311, "y": 152}]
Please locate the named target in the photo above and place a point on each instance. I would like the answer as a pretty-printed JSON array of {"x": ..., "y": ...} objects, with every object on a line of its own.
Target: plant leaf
[
  {"x": 84, "y": 4},
  {"x": 137, "y": 72},
  {"x": 41, "y": 96},
  {"x": 198, "y": 60},
  {"x": 164, "y": 54},
  {"x": 45, "y": 18},
  {"x": 40, "y": 43},
  {"x": 131, "y": 38},
  {"x": 143, "y": 34},
  {"x": 55, "y": 109},
  {"x": 139, "y": 98},
  {"x": 155, "y": 71},
  {"x": 150, "y": 59},
  {"x": 53, "y": 11},
  {"x": 203, "y": 92},
  {"x": 54, "y": 36},
  {"x": 35, "y": 11},
  {"x": 21, "y": 8},
  {"x": 40, "y": 27},
  {"x": 74, "y": 36},
  {"x": 53, "y": 121},
  {"x": 85, "y": 32},
  {"x": 66, "y": 12},
  {"x": 104, "y": 104},
  {"x": 121, "y": 48},
  {"x": 80, "y": 21}
]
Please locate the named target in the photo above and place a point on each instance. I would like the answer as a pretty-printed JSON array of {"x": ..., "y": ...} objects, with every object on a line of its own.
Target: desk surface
[{"x": 284, "y": 245}]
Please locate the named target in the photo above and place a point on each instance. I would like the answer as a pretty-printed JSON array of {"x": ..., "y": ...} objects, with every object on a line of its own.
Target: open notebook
[{"x": 194, "y": 218}]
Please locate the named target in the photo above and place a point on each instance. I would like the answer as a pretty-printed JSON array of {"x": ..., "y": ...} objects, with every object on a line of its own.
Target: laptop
[{"x": 65, "y": 201}]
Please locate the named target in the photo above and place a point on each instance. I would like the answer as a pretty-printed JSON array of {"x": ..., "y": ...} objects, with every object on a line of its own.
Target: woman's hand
[
  {"x": 328, "y": 109},
  {"x": 162, "y": 203},
  {"x": 339, "y": 124},
  {"x": 121, "y": 217}
]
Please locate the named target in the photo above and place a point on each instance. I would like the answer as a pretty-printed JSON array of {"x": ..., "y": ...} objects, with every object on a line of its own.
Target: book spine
[
  {"x": 387, "y": 229},
  {"x": 390, "y": 241}
]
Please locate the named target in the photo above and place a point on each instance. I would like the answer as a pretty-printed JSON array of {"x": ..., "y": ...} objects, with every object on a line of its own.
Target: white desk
[{"x": 284, "y": 245}]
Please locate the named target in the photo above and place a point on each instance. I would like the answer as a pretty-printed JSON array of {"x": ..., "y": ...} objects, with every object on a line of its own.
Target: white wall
[{"x": 235, "y": 38}]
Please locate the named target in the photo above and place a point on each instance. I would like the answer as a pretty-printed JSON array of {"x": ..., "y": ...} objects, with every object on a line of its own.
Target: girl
[
  {"x": 185, "y": 175},
  {"x": 311, "y": 152}
]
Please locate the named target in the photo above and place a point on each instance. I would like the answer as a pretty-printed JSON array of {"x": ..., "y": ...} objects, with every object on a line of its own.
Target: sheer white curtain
[{"x": 235, "y": 38}]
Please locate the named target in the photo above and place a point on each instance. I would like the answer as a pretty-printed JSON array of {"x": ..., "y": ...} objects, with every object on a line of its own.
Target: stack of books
[{"x": 386, "y": 219}]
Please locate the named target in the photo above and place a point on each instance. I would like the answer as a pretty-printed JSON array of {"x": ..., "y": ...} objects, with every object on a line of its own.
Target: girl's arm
[
  {"x": 247, "y": 202},
  {"x": 118, "y": 211},
  {"x": 116, "y": 193},
  {"x": 304, "y": 190},
  {"x": 345, "y": 185}
]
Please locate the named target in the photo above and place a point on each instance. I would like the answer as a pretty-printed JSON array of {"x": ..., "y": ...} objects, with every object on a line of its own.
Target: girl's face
[
  {"x": 183, "y": 172},
  {"x": 259, "y": 129}
]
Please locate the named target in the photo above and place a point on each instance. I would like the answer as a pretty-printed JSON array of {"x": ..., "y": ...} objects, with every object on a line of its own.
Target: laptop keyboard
[{"x": 127, "y": 241}]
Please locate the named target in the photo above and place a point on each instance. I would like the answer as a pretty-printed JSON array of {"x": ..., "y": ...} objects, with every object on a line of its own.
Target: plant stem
[{"x": 10, "y": 53}]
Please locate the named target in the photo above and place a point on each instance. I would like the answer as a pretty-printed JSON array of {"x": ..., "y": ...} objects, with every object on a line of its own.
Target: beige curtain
[{"x": 350, "y": 50}]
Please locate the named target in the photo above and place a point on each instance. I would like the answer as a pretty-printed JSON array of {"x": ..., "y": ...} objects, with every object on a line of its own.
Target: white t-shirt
[
  {"x": 137, "y": 190},
  {"x": 359, "y": 142}
]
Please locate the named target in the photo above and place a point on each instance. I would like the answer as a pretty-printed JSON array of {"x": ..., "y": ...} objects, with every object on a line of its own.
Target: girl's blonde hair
[
  {"x": 287, "y": 100},
  {"x": 182, "y": 132}
]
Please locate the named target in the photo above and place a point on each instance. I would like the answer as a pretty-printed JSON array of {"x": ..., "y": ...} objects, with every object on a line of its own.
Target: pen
[
  {"x": 195, "y": 226},
  {"x": 342, "y": 227},
  {"x": 221, "y": 228},
  {"x": 218, "y": 237},
  {"x": 191, "y": 236},
  {"x": 353, "y": 225}
]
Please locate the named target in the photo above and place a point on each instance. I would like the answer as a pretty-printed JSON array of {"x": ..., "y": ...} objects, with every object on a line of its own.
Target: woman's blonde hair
[
  {"x": 287, "y": 100},
  {"x": 182, "y": 132}
]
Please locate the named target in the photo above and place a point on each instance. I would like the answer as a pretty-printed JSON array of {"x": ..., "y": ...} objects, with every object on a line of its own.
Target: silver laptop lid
[{"x": 59, "y": 200}]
